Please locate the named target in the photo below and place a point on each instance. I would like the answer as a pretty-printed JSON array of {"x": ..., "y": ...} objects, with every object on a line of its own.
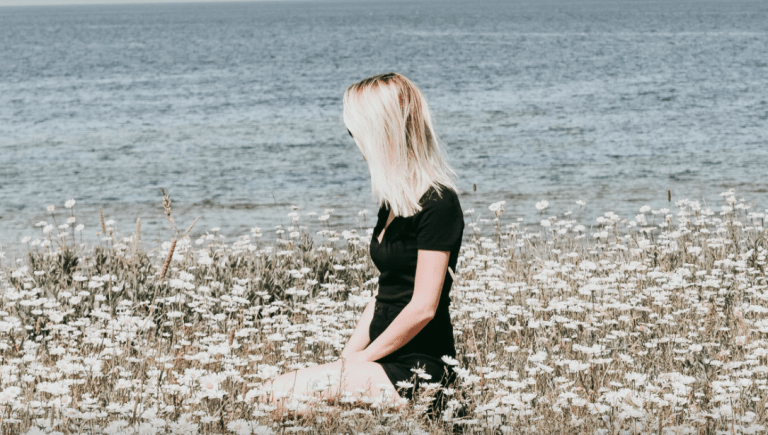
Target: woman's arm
[
  {"x": 431, "y": 267},
  {"x": 360, "y": 337}
]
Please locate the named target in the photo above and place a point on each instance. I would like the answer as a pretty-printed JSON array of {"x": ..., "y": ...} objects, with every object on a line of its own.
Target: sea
[{"x": 234, "y": 109}]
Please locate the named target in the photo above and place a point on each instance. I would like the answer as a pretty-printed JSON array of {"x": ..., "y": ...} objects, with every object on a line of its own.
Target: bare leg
[{"x": 367, "y": 382}]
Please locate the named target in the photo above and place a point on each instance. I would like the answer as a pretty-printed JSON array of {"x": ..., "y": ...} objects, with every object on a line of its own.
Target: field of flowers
[{"x": 646, "y": 324}]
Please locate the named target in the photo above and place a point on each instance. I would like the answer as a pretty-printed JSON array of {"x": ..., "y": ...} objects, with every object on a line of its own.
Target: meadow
[{"x": 583, "y": 323}]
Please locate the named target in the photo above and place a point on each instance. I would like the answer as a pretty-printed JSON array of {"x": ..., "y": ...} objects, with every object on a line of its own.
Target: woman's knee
[
  {"x": 302, "y": 381},
  {"x": 332, "y": 381}
]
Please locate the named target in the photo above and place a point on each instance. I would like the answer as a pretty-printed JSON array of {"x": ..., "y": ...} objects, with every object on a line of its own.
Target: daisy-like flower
[
  {"x": 240, "y": 427},
  {"x": 404, "y": 384},
  {"x": 541, "y": 205},
  {"x": 211, "y": 386},
  {"x": 421, "y": 373},
  {"x": 450, "y": 361},
  {"x": 497, "y": 206},
  {"x": 70, "y": 203}
]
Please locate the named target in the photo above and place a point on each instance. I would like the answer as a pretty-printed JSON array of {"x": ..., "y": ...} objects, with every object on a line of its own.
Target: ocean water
[{"x": 235, "y": 108}]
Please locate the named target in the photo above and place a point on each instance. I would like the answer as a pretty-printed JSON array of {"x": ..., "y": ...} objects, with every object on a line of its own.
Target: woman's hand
[{"x": 360, "y": 339}]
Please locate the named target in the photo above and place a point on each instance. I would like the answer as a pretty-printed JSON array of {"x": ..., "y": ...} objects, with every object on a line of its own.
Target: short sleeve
[{"x": 440, "y": 223}]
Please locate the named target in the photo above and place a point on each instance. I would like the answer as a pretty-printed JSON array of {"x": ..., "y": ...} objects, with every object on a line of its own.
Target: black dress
[{"x": 438, "y": 226}]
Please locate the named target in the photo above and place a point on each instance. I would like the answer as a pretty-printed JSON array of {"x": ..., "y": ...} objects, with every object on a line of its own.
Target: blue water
[{"x": 235, "y": 108}]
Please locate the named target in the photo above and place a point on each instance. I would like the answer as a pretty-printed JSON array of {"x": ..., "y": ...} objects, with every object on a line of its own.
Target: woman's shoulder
[
  {"x": 445, "y": 200},
  {"x": 444, "y": 195},
  {"x": 439, "y": 224}
]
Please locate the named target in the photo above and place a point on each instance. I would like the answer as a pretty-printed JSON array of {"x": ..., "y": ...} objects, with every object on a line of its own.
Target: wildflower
[
  {"x": 240, "y": 426},
  {"x": 449, "y": 360},
  {"x": 497, "y": 206},
  {"x": 51, "y": 208},
  {"x": 538, "y": 356},
  {"x": 541, "y": 205},
  {"x": 637, "y": 378},
  {"x": 404, "y": 384},
  {"x": 324, "y": 217},
  {"x": 69, "y": 204},
  {"x": 421, "y": 373},
  {"x": 263, "y": 430},
  {"x": 211, "y": 386}
]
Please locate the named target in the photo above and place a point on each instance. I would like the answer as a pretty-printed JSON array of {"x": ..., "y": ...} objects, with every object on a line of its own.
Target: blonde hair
[{"x": 390, "y": 121}]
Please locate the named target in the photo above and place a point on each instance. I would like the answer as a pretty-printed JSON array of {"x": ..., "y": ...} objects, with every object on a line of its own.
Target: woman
[{"x": 405, "y": 331}]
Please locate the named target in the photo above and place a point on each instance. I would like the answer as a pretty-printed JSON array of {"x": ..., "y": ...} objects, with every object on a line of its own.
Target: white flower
[
  {"x": 545, "y": 223},
  {"x": 211, "y": 386},
  {"x": 637, "y": 378},
  {"x": 324, "y": 217},
  {"x": 421, "y": 373},
  {"x": 404, "y": 384},
  {"x": 70, "y": 203},
  {"x": 241, "y": 427},
  {"x": 51, "y": 208},
  {"x": 541, "y": 205},
  {"x": 263, "y": 430},
  {"x": 450, "y": 361},
  {"x": 497, "y": 206},
  {"x": 579, "y": 401}
]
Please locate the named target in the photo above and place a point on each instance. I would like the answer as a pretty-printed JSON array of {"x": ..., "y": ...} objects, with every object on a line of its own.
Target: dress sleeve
[{"x": 440, "y": 225}]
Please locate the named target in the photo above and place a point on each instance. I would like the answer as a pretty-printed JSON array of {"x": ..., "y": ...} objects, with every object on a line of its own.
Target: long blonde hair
[{"x": 390, "y": 121}]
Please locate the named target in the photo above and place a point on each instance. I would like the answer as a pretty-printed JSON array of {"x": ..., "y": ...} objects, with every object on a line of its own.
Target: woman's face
[{"x": 353, "y": 138}]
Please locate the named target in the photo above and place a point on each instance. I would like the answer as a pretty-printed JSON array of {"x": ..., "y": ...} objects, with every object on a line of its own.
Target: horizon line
[{"x": 36, "y": 3}]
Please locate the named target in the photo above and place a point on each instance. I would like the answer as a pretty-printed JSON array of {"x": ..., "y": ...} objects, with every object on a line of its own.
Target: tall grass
[{"x": 652, "y": 324}]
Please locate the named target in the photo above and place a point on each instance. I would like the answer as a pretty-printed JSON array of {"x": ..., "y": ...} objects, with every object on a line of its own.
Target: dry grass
[{"x": 651, "y": 324}]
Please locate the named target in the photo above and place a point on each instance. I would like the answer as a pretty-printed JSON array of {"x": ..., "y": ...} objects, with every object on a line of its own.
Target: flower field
[{"x": 646, "y": 324}]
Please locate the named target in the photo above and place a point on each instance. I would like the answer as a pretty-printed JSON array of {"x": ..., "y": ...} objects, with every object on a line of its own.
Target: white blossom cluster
[{"x": 650, "y": 324}]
